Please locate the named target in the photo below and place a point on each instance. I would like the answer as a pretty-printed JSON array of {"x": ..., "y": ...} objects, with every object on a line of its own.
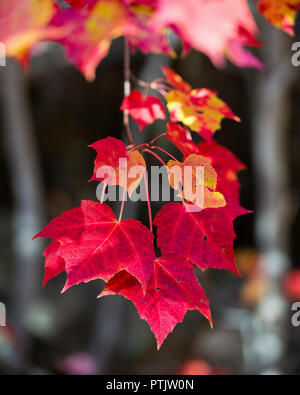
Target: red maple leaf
[
  {"x": 205, "y": 238},
  {"x": 143, "y": 109},
  {"x": 94, "y": 245},
  {"x": 115, "y": 172},
  {"x": 173, "y": 289}
]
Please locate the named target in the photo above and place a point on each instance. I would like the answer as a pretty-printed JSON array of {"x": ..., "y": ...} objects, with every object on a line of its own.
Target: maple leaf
[
  {"x": 192, "y": 181},
  {"x": 143, "y": 38},
  {"x": 143, "y": 109},
  {"x": 95, "y": 28},
  {"x": 127, "y": 167},
  {"x": 200, "y": 109},
  {"x": 280, "y": 13},
  {"x": 224, "y": 162},
  {"x": 173, "y": 289},
  {"x": 210, "y": 26},
  {"x": 23, "y": 23},
  {"x": 205, "y": 238},
  {"x": 227, "y": 166},
  {"x": 94, "y": 245},
  {"x": 102, "y": 21}
]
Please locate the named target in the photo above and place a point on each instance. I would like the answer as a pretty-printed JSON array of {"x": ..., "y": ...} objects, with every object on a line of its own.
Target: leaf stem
[
  {"x": 158, "y": 137},
  {"x": 136, "y": 147},
  {"x": 127, "y": 88},
  {"x": 165, "y": 152},
  {"x": 156, "y": 156}
]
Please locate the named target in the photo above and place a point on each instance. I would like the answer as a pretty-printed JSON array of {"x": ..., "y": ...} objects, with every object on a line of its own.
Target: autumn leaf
[
  {"x": 23, "y": 23},
  {"x": 211, "y": 26},
  {"x": 90, "y": 40},
  {"x": 126, "y": 168},
  {"x": 94, "y": 245},
  {"x": 101, "y": 23},
  {"x": 201, "y": 110},
  {"x": 144, "y": 38},
  {"x": 198, "y": 187},
  {"x": 280, "y": 13},
  {"x": 143, "y": 109},
  {"x": 205, "y": 238},
  {"x": 173, "y": 290},
  {"x": 224, "y": 162}
]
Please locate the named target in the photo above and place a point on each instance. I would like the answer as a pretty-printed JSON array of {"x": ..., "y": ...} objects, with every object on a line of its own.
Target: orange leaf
[
  {"x": 199, "y": 181},
  {"x": 280, "y": 13},
  {"x": 199, "y": 109}
]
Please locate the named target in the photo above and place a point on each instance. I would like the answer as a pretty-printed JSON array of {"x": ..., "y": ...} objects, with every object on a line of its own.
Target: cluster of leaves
[
  {"x": 89, "y": 242},
  {"x": 86, "y": 28}
]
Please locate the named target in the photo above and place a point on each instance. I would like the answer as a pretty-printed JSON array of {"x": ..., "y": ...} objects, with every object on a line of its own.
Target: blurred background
[{"x": 48, "y": 117}]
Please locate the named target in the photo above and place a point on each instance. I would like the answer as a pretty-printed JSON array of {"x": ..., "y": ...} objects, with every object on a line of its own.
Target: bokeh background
[{"x": 48, "y": 117}]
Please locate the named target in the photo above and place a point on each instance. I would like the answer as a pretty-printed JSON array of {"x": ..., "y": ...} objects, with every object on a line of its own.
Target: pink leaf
[
  {"x": 143, "y": 109},
  {"x": 209, "y": 25}
]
